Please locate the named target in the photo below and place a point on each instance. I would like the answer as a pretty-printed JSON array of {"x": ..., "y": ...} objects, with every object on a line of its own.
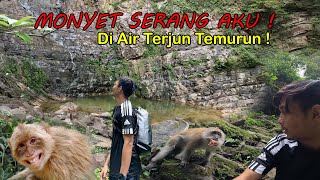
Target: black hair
[
  {"x": 127, "y": 85},
  {"x": 306, "y": 93}
]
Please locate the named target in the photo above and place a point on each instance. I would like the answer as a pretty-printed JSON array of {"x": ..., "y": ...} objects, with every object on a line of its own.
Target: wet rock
[
  {"x": 30, "y": 118},
  {"x": 102, "y": 141},
  {"x": 60, "y": 112},
  {"x": 100, "y": 159},
  {"x": 5, "y": 110},
  {"x": 161, "y": 132},
  {"x": 69, "y": 106},
  {"x": 95, "y": 123},
  {"x": 238, "y": 123}
]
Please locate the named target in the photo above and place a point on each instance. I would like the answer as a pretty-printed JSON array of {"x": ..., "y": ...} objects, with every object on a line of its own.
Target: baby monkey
[
  {"x": 51, "y": 153},
  {"x": 186, "y": 142}
]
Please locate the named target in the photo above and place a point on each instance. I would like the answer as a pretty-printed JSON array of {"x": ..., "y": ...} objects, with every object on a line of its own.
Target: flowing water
[{"x": 159, "y": 110}]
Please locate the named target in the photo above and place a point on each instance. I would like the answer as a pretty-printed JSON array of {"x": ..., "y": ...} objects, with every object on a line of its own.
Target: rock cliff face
[{"x": 77, "y": 66}]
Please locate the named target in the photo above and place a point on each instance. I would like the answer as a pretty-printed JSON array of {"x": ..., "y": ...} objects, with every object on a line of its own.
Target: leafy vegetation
[
  {"x": 243, "y": 57},
  {"x": 280, "y": 67},
  {"x": 110, "y": 70},
  {"x": 219, "y": 7},
  {"x": 19, "y": 27},
  {"x": 13, "y": 26},
  {"x": 25, "y": 70},
  {"x": 8, "y": 166},
  {"x": 152, "y": 50}
]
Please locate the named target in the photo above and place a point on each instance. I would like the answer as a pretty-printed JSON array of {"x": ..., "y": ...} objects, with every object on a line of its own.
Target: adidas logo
[{"x": 126, "y": 122}]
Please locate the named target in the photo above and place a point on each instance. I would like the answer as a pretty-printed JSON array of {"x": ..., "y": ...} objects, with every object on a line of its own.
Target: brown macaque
[
  {"x": 51, "y": 153},
  {"x": 210, "y": 139}
]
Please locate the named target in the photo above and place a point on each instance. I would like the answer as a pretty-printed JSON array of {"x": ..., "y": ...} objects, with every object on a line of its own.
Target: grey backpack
[{"x": 145, "y": 131}]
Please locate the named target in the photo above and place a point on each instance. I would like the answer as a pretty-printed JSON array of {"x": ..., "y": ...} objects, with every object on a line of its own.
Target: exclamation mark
[
  {"x": 271, "y": 20},
  {"x": 268, "y": 38}
]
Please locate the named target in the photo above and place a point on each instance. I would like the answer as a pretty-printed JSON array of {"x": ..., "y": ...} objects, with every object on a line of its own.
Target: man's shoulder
[
  {"x": 126, "y": 108},
  {"x": 279, "y": 142}
]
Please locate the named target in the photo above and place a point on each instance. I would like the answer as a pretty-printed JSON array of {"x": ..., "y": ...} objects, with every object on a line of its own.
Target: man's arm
[
  {"x": 265, "y": 161},
  {"x": 104, "y": 171},
  {"x": 248, "y": 174},
  {"x": 108, "y": 160},
  {"x": 126, "y": 153}
]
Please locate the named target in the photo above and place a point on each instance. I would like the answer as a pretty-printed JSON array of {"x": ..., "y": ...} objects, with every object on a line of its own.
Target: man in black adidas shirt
[
  {"x": 124, "y": 159},
  {"x": 296, "y": 153}
]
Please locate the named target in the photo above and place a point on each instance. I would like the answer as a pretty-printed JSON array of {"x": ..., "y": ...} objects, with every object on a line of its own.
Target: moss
[
  {"x": 152, "y": 50},
  {"x": 108, "y": 71},
  {"x": 225, "y": 169},
  {"x": 245, "y": 154},
  {"x": 101, "y": 150},
  {"x": 26, "y": 72},
  {"x": 171, "y": 170},
  {"x": 191, "y": 63},
  {"x": 230, "y": 130}
]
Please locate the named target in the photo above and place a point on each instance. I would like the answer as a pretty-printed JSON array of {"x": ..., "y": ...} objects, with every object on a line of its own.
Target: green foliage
[
  {"x": 225, "y": 65},
  {"x": 8, "y": 166},
  {"x": 220, "y": 7},
  {"x": 225, "y": 169},
  {"x": 310, "y": 58},
  {"x": 98, "y": 149},
  {"x": 34, "y": 77},
  {"x": 190, "y": 63},
  {"x": 253, "y": 122},
  {"x": 259, "y": 122},
  {"x": 152, "y": 50},
  {"x": 231, "y": 131},
  {"x": 13, "y": 26},
  {"x": 116, "y": 4},
  {"x": 97, "y": 172},
  {"x": 279, "y": 67},
  {"x": 110, "y": 70},
  {"x": 246, "y": 56},
  {"x": 169, "y": 69},
  {"x": 243, "y": 57},
  {"x": 246, "y": 154}
]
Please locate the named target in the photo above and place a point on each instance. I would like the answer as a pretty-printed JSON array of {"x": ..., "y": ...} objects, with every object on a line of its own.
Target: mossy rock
[
  {"x": 230, "y": 130},
  {"x": 193, "y": 171},
  {"x": 225, "y": 168}
]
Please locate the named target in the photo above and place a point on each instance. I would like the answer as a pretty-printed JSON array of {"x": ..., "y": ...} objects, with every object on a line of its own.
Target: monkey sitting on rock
[
  {"x": 51, "y": 153},
  {"x": 186, "y": 142}
]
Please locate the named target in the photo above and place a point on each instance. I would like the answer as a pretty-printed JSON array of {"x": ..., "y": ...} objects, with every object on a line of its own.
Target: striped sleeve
[
  {"x": 266, "y": 160},
  {"x": 128, "y": 121}
]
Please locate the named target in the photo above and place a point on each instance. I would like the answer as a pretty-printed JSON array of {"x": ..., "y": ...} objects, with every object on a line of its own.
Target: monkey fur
[
  {"x": 51, "y": 153},
  {"x": 187, "y": 142}
]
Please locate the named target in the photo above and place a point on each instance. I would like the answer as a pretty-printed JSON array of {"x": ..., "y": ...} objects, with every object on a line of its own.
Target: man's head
[
  {"x": 299, "y": 105},
  {"x": 123, "y": 86}
]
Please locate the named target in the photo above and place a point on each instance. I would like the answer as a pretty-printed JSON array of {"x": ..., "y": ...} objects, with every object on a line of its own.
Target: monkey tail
[{"x": 187, "y": 124}]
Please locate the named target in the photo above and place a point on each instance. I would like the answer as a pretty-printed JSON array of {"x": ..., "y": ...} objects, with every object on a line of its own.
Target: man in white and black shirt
[
  {"x": 124, "y": 158},
  {"x": 296, "y": 153}
]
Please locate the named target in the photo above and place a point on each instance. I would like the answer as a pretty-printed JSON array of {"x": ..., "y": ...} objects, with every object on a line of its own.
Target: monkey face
[
  {"x": 216, "y": 137},
  {"x": 31, "y": 146},
  {"x": 30, "y": 153}
]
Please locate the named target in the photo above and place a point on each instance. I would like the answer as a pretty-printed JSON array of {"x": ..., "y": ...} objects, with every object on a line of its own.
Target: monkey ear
[{"x": 45, "y": 126}]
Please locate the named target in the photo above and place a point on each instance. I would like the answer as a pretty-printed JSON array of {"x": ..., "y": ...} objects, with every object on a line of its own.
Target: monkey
[
  {"x": 186, "y": 142},
  {"x": 51, "y": 153}
]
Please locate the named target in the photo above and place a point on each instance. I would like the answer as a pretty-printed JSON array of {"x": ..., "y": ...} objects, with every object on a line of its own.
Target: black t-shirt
[
  {"x": 124, "y": 122},
  {"x": 291, "y": 159}
]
